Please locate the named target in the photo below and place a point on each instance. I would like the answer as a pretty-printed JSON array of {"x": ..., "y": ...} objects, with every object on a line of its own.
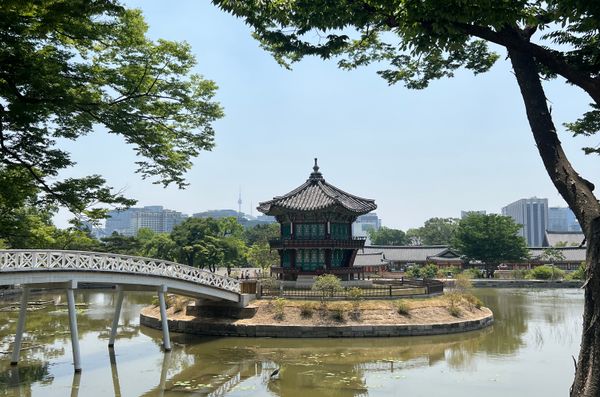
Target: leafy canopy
[
  {"x": 69, "y": 66},
  {"x": 435, "y": 231},
  {"x": 387, "y": 236},
  {"x": 490, "y": 238}
]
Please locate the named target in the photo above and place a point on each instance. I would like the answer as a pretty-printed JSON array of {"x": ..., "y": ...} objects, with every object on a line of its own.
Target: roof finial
[{"x": 316, "y": 175}]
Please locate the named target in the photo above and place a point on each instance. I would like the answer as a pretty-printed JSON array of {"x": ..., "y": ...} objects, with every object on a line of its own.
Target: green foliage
[
  {"x": 157, "y": 245},
  {"x": 279, "y": 308},
  {"x": 402, "y": 307},
  {"x": 68, "y": 66},
  {"x": 119, "y": 244},
  {"x": 490, "y": 238},
  {"x": 429, "y": 270},
  {"x": 208, "y": 242},
  {"x": 260, "y": 255},
  {"x": 327, "y": 284},
  {"x": 74, "y": 239},
  {"x": 444, "y": 271},
  {"x": 472, "y": 273},
  {"x": 414, "y": 272},
  {"x": 578, "y": 274},
  {"x": 269, "y": 283},
  {"x": 435, "y": 231},
  {"x": 552, "y": 254},
  {"x": 355, "y": 293},
  {"x": 387, "y": 236},
  {"x": 261, "y": 234},
  {"x": 520, "y": 274},
  {"x": 546, "y": 272}
]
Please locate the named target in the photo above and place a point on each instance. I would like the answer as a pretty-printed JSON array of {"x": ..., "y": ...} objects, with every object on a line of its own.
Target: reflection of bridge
[{"x": 66, "y": 269}]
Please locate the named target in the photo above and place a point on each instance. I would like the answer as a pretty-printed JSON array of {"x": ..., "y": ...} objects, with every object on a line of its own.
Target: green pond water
[{"x": 527, "y": 352}]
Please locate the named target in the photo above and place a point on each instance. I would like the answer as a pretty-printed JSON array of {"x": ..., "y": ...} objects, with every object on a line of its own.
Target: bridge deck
[{"x": 49, "y": 268}]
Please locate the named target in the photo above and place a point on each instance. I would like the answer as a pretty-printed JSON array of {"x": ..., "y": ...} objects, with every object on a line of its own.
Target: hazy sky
[{"x": 462, "y": 144}]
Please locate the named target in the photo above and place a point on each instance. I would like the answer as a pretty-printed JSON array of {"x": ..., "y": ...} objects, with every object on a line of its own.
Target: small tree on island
[
  {"x": 491, "y": 239},
  {"x": 327, "y": 284}
]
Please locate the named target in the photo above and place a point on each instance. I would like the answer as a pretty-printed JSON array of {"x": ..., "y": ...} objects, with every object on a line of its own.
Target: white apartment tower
[{"x": 532, "y": 215}]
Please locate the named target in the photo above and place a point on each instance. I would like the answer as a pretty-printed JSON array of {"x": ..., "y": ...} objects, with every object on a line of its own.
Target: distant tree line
[{"x": 491, "y": 239}]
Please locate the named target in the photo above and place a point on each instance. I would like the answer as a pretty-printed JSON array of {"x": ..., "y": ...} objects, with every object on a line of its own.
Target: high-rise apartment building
[
  {"x": 155, "y": 217},
  {"x": 364, "y": 223},
  {"x": 532, "y": 214},
  {"x": 562, "y": 219}
]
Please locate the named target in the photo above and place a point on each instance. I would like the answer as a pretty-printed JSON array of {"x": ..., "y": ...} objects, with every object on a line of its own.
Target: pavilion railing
[
  {"x": 61, "y": 260},
  {"x": 317, "y": 272},
  {"x": 354, "y": 242}
]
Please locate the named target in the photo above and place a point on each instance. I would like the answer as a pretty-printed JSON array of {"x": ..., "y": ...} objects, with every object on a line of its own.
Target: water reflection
[{"x": 532, "y": 329}]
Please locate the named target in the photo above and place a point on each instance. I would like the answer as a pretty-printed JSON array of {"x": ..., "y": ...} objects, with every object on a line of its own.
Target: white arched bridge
[{"x": 68, "y": 269}]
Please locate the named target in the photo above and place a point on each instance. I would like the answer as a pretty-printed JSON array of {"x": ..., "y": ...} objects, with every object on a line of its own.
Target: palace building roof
[{"x": 316, "y": 195}]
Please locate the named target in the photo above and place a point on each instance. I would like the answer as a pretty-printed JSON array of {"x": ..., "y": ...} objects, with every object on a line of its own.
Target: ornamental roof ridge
[{"x": 317, "y": 194}]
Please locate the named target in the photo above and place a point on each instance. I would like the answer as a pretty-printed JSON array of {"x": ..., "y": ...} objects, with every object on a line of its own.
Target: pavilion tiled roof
[{"x": 316, "y": 194}]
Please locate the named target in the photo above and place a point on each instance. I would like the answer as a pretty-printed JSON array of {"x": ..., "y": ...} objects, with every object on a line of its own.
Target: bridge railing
[{"x": 48, "y": 260}]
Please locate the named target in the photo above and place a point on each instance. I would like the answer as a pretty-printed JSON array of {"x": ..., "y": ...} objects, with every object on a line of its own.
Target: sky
[{"x": 461, "y": 144}]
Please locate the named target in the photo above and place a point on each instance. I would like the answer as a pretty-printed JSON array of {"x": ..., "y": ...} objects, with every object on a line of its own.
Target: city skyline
[{"x": 461, "y": 143}]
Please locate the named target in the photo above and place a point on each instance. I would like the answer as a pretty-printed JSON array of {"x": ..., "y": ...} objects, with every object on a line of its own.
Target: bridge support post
[
  {"x": 20, "y": 326},
  {"x": 73, "y": 325},
  {"x": 115, "y": 323},
  {"x": 162, "y": 290}
]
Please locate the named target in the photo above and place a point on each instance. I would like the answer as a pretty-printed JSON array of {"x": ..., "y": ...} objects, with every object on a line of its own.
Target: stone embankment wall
[
  {"x": 494, "y": 283},
  {"x": 209, "y": 328}
]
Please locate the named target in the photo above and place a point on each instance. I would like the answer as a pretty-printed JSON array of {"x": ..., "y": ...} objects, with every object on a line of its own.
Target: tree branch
[{"x": 577, "y": 191}]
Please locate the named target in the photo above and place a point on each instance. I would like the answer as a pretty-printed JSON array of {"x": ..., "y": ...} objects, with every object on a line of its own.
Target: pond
[{"x": 528, "y": 351}]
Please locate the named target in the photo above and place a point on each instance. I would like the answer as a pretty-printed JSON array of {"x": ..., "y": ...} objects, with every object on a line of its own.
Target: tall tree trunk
[{"x": 578, "y": 193}]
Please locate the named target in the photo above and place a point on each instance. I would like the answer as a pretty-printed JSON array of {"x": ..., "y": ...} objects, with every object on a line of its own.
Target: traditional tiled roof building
[{"x": 316, "y": 229}]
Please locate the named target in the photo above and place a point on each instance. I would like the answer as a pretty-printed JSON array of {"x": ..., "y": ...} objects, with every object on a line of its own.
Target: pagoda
[{"x": 316, "y": 229}]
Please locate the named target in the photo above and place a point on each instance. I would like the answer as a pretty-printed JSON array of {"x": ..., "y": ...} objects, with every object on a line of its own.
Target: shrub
[
  {"x": 280, "y": 308},
  {"x": 473, "y": 300},
  {"x": 520, "y": 274},
  {"x": 307, "y": 309},
  {"x": 178, "y": 303},
  {"x": 429, "y": 271},
  {"x": 323, "y": 309},
  {"x": 402, "y": 307},
  {"x": 269, "y": 283},
  {"x": 356, "y": 295},
  {"x": 472, "y": 273},
  {"x": 462, "y": 282},
  {"x": 578, "y": 274},
  {"x": 328, "y": 284},
  {"x": 414, "y": 272},
  {"x": 454, "y": 311},
  {"x": 444, "y": 272},
  {"x": 546, "y": 272},
  {"x": 338, "y": 313},
  {"x": 454, "y": 299}
]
